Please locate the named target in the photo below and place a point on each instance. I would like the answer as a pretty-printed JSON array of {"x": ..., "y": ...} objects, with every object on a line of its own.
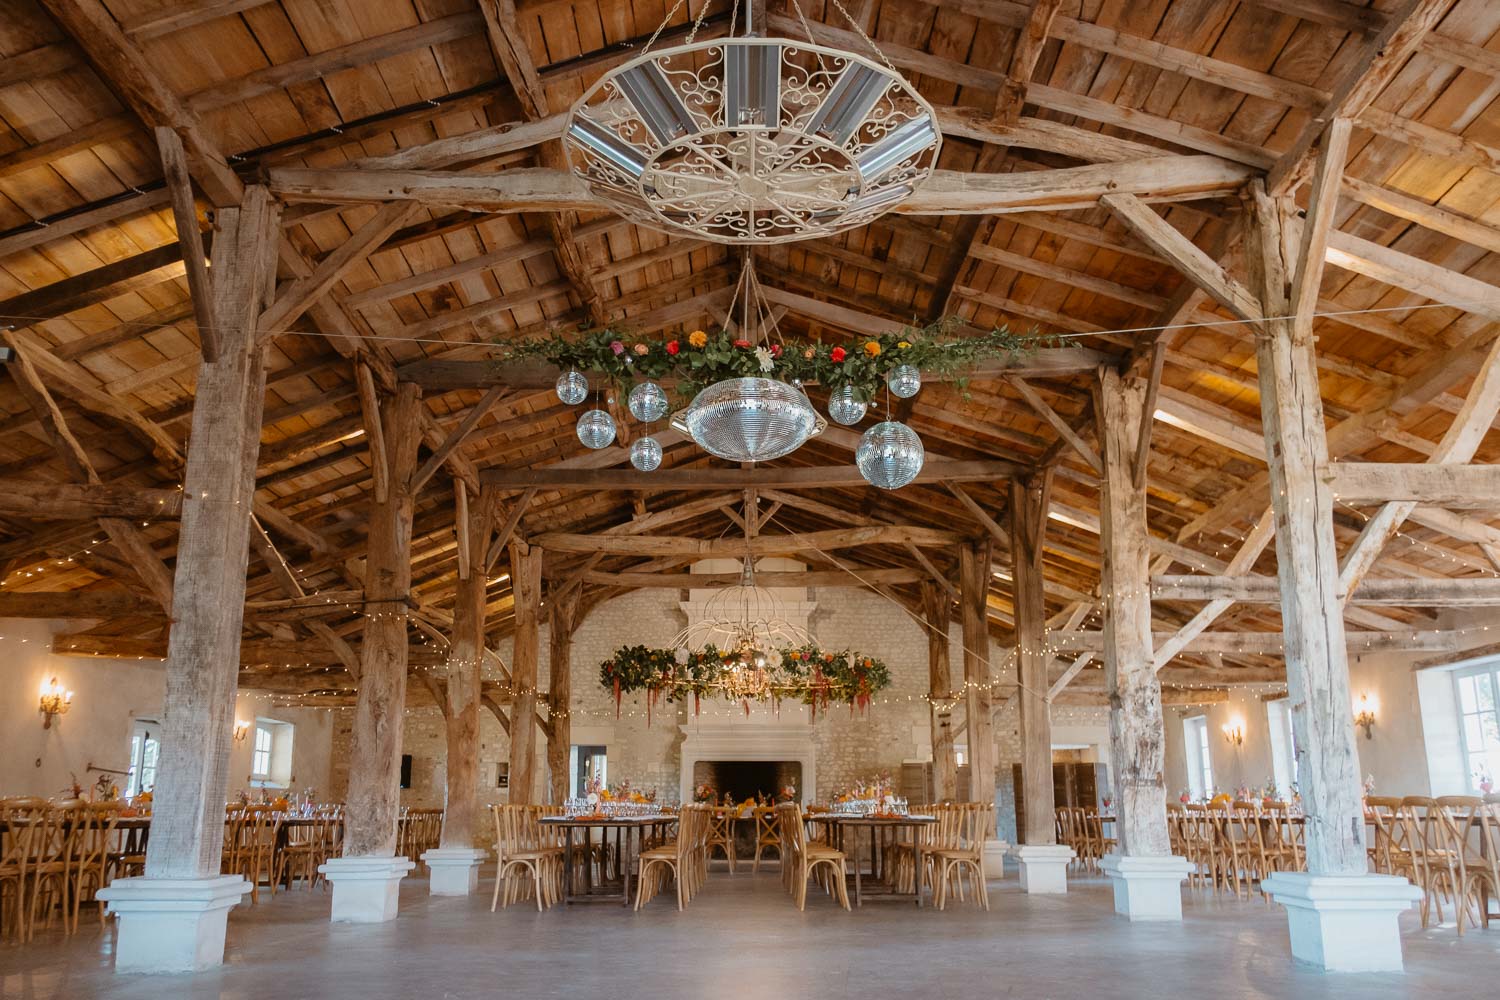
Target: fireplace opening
[{"x": 747, "y": 779}]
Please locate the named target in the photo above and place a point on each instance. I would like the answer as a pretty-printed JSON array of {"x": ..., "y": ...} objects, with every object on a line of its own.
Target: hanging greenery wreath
[
  {"x": 702, "y": 358},
  {"x": 809, "y": 674}
]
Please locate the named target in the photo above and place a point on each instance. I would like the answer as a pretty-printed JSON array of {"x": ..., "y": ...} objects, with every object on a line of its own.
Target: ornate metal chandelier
[
  {"x": 752, "y": 140},
  {"x": 744, "y": 619}
]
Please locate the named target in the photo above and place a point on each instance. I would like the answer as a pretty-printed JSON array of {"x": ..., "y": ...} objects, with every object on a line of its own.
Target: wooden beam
[
  {"x": 669, "y": 545},
  {"x": 1047, "y": 413},
  {"x": 455, "y": 438},
  {"x": 45, "y": 501},
  {"x": 858, "y": 576},
  {"x": 1274, "y": 643},
  {"x": 1400, "y": 485},
  {"x": 1427, "y": 593},
  {"x": 369, "y": 405},
  {"x": 508, "y": 528},
  {"x": 779, "y": 477},
  {"x": 189, "y": 237},
  {"x": 76, "y": 604},
  {"x": 947, "y": 192},
  {"x": 1249, "y": 551}
]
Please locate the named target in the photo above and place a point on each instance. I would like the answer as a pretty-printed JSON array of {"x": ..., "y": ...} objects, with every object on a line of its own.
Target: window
[
  {"x": 1479, "y": 723},
  {"x": 144, "y": 749},
  {"x": 1200, "y": 762},
  {"x": 271, "y": 754},
  {"x": 590, "y": 764},
  {"x": 1283, "y": 745},
  {"x": 260, "y": 761}
]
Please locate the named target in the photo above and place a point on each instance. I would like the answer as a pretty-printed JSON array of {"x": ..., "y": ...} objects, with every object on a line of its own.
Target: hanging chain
[
  {"x": 807, "y": 30},
  {"x": 663, "y": 26},
  {"x": 868, "y": 40},
  {"x": 698, "y": 21}
]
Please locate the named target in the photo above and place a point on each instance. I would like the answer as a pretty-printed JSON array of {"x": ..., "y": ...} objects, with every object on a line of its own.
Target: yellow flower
[
  {"x": 698, "y": 338},
  {"x": 872, "y": 348},
  {"x": 904, "y": 344}
]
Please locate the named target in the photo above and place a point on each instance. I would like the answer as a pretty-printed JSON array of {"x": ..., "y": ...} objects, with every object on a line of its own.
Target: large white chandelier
[
  {"x": 745, "y": 619},
  {"x": 752, "y": 140}
]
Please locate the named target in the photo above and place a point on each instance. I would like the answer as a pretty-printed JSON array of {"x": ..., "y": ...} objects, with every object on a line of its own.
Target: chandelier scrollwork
[{"x": 752, "y": 140}]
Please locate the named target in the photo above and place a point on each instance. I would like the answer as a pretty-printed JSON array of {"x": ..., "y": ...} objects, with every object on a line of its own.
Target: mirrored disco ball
[
  {"x": 904, "y": 381},
  {"x": 749, "y": 419},
  {"x": 844, "y": 407},
  {"x": 596, "y": 429},
  {"x": 647, "y": 402},
  {"x": 645, "y": 453},
  {"x": 889, "y": 455},
  {"x": 572, "y": 387}
]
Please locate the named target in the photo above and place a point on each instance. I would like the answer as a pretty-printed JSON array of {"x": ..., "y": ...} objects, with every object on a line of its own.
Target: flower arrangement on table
[
  {"x": 705, "y": 793},
  {"x": 703, "y": 358},
  {"x": 809, "y": 674}
]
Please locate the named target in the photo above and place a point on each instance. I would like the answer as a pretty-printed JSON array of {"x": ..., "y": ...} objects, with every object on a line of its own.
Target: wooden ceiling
[{"x": 93, "y": 282}]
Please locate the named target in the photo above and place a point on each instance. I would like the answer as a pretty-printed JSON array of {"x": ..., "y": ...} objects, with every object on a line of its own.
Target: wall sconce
[
  {"x": 55, "y": 700},
  {"x": 1234, "y": 733},
  {"x": 1365, "y": 717},
  {"x": 241, "y": 730}
]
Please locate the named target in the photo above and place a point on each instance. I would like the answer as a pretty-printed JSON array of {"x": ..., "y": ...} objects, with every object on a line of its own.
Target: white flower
[{"x": 764, "y": 357}]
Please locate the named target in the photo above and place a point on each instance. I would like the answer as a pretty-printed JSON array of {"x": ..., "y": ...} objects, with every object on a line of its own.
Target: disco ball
[
  {"x": 645, "y": 453},
  {"x": 749, "y": 419},
  {"x": 647, "y": 402},
  {"x": 889, "y": 455},
  {"x": 596, "y": 429},
  {"x": 904, "y": 381},
  {"x": 844, "y": 407},
  {"x": 572, "y": 386}
]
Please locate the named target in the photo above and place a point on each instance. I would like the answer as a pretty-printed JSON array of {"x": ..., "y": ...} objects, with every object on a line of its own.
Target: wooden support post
[
  {"x": 1317, "y": 664},
  {"x": 974, "y": 572},
  {"x": 564, "y": 619},
  {"x": 1136, "y": 730},
  {"x": 526, "y": 585},
  {"x": 936, "y": 609},
  {"x": 461, "y": 713},
  {"x": 374, "y": 798},
  {"x": 203, "y": 650},
  {"x": 1028, "y": 518}
]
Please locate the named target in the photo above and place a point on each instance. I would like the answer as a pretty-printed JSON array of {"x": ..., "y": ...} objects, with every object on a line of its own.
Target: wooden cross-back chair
[
  {"x": 677, "y": 859},
  {"x": 767, "y": 835},
  {"x": 807, "y": 859},
  {"x": 530, "y": 857}
]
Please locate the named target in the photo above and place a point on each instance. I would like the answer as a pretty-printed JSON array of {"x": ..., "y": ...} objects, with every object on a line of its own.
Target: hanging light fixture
[
  {"x": 647, "y": 402},
  {"x": 645, "y": 454},
  {"x": 889, "y": 455},
  {"x": 572, "y": 387},
  {"x": 752, "y": 140},
  {"x": 844, "y": 407},
  {"x": 596, "y": 429}
]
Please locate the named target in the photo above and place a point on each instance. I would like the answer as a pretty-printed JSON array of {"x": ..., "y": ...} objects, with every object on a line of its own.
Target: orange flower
[
  {"x": 872, "y": 348},
  {"x": 698, "y": 338}
]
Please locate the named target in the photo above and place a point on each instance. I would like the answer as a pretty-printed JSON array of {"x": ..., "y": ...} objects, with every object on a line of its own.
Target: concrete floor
[{"x": 743, "y": 938}]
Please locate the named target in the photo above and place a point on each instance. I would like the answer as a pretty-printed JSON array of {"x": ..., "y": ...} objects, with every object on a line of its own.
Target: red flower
[
  {"x": 838, "y": 354},
  {"x": 742, "y": 344},
  {"x": 775, "y": 350},
  {"x": 673, "y": 347}
]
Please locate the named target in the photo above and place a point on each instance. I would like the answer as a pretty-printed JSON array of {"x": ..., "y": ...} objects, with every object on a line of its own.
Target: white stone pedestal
[
  {"x": 172, "y": 924},
  {"x": 365, "y": 890},
  {"x": 1147, "y": 888},
  {"x": 1344, "y": 923},
  {"x": 1043, "y": 867},
  {"x": 994, "y": 858},
  {"x": 454, "y": 870}
]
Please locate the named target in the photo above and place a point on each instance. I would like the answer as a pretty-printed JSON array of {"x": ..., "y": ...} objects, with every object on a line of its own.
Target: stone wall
[{"x": 646, "y": 751}]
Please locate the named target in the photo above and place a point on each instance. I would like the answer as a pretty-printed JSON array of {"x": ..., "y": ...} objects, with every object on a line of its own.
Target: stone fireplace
[{"x": 744, "y": 779}]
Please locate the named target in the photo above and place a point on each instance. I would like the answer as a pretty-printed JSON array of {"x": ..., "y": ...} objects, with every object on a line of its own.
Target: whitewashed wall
[{"x": 107, "y": 696}]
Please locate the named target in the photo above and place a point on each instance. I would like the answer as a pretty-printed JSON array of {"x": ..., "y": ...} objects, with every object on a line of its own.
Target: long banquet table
[
  {"x": 853, "y": 826},
  {"x": 610, "y": 889}
]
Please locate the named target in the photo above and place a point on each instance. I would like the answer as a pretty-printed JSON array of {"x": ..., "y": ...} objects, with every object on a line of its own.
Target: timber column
[
  {"x": 564, "y": 619},
  {"x": 1341, "y": 918},
  {"x": 454, "y": 864},
  {"x": 526, "y": 585},
  {"x": 937, "y": 610},
  {"x": 173, "y": 918},
  {"x": 1042, "y": 861},
  {"x": 1147, "y": 877},
  {"x": 366, "y": 879},
  {"x": 974, "y": 574}
]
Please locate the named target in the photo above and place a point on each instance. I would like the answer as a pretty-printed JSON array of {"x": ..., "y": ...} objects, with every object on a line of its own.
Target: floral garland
[
  {"x": 810, "y": 674},
  {"x": 702, "y": 358}
]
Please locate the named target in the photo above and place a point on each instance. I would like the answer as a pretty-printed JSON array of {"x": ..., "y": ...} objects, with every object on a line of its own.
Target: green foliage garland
[
  {"x": 810, "y": 674},
  {"x": 701, "y": 358}
]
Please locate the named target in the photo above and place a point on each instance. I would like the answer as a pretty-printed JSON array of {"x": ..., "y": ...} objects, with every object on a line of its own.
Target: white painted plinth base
[
  {"x": 454, "y": 870},
  {"x": 1344, "y": 923},
  {"x": 1043, "y": 867},
  {"x": 994, "y": 858},
  {"x": 172, "y": 924},
  {"x": 365, "y": 889},
  {"x": 1147, "y": 888}
]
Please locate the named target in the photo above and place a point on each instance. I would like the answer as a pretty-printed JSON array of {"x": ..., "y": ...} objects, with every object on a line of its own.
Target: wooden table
[
  {"x": 623, "y": 827},
  {"x": 840, "y": 823}
]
